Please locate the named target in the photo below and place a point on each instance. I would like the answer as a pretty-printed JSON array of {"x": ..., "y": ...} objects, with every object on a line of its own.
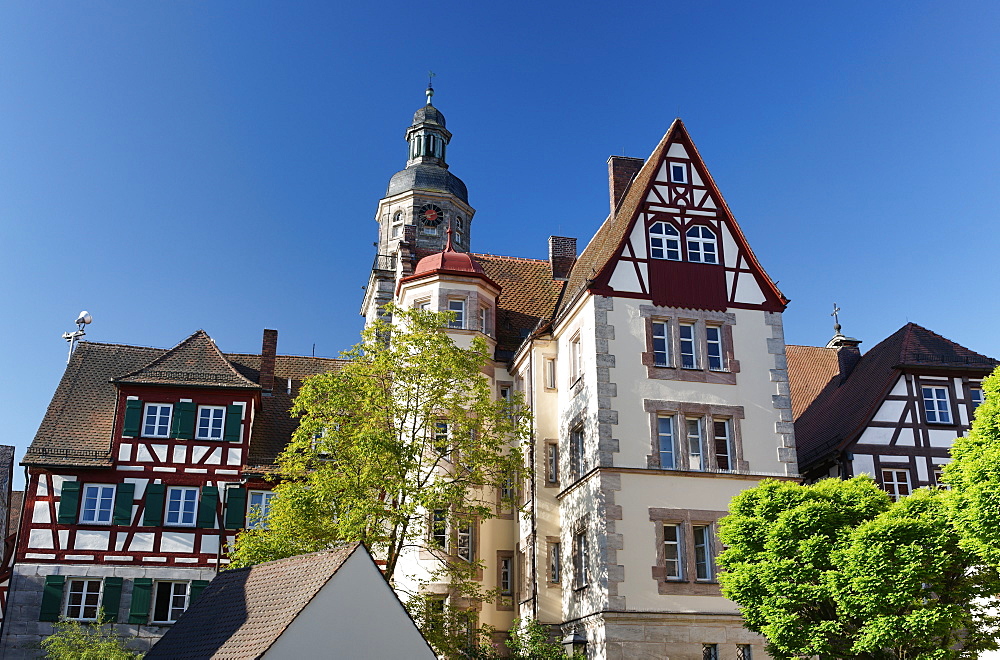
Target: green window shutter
[
  {"x": 234, "y": 417},
  {"x": 69, "y": 502},
  {"x": 207, "y": 505},
  {"x": 111, "y": 599},
  {"x": 236, "y": 508},
  {"x": 124, "y": 494},
  {"x": 133, "y": 418},
  {"x": 52, "y": 598},
  {"x": 142, "y": 595},
  {"x": 182, "y": 425},
  {"x": 155, "y": 495},
  {"x": 197, "y": 586}
]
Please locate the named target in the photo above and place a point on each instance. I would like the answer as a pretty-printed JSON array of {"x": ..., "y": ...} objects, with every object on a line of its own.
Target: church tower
[{"x": 420, "y": 204}]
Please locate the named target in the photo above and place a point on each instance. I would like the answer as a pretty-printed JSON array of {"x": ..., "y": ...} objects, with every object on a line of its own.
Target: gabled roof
[
  {"x": 841, "y": 410},
  {"x": 243, "y": 611},
  {"x": 195, "y": 362}
]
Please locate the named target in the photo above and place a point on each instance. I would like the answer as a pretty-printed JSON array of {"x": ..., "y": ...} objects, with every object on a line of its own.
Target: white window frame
[
  {"x": 673, "y": 567},
  {"x": 212, "y": 418},
  {"x": 180, "y": 512},
  {"x": 702, "y": 552},
  {"x": 702, "y": 245},
  {"x": 661, "y": 336},
  {"x": 551, "y": 382},
  {"x": 671, "y": 171},
  {"x": 893, "y": 478},
  {"x": 457, "y": 306},
  {"x": 715, "y": 355},
  {"x": 688, "y": 345},
  {"x": 575, "y": 358},
  {"x": 506, "y": 581},
  {"x": 580, "y": 579},
  {"x": 80, "y": 608},
  {"x": 171, "y": 607},
  {"x": 666, "y": 443},
  {"x": 694, "y": 431},
  {"x": 976, "y": 398},
  {"x": 159, "y": 420},
  {"x": 726, "y": 437},
  {"x": 937, "y": 404},
  {"x": 262, "y": 504},
  {"x": 99, "y": 515},
  {"x": 483, "y": 320},
  {"x": 442, "y": 437},
  {"x": 664, "y": 241}
]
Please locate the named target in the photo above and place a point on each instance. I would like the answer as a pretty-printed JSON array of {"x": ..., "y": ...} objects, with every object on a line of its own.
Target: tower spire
[{"x": 430, "y": 88}]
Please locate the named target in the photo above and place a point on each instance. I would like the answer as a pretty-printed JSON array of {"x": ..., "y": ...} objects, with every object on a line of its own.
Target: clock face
[{"x": 430, "y": 215}]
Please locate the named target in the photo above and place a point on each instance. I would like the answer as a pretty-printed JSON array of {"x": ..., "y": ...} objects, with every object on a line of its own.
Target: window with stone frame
[
  {"x": 554, "y": 570},
  {"x": 505, "y": 580},
  {"x": 580, "y": 559},
  {"x": 689, "y": 345},
  {"x": 744, "y": 652},
  {"x": 686, "y": 551},
  {"x": 695, "y": 436},
  {"x": 576, "y": 359},
  {"x": 577, "y": 452},
  {"x": 551, "y": 463},
  {"x": 83, "y": 599}
]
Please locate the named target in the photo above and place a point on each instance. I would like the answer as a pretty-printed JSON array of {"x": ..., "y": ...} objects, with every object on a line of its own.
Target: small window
[
  {"x": 506, "y": 576},
  {"x": 976, "y": 397},
  {"x": 210, "y": 421},
  {"x": 397, "y": 217},
  {"x": 713, "y": 347},
  {"x": 896, "y": 483},
  {"x": 723, "y": 444},
  {"x": 98, "y": 503},
  {"x": 696, "y": 444},
  {"x": 170, "y": 601},
  {"x": 744, "y": 652},
  {"x": 936, "y": 405},
  {"x": 578, "y": 463},
  {"x": 442, "y": 438},
  {"x": 555, "y": 565},
  {"x": 457, "y": 308},
  {"x": 664, "y": 241},
  {"x": 396, "y": 229},
  {"x": 182, "y": 505},
  {"x": 156, "y": 422},
  {"x": 83, "y": 599},
  {"x": 483, "y": 328},
  {"x": 672, "y": 551},
  {"x": 678, "y": 173},
  {"x": 550, "y": 373},
  {"x": 259, "y": 509},
  {"x": 424, "y": 305},
  {"x": 580, "y": 559},
  {"x": 689, "y": 354},
  {"x": 661, "y": 344},
  {"x": 439, "y": 529},
  {"x": 576, "y": 358},
  {"x": 665, "y": 440},
  {"x": 552, "y": 463},
  {"x": 709, "y": 652},
  {"x": 464, "y": 548},
  {"x": 701, "y": 245},
  {"x": 459, "y": 224},
  {"x": 702, "y": 552}
]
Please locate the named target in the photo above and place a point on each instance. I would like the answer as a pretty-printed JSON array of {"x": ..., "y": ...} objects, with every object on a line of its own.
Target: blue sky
[{"x": 171, "y": 166}]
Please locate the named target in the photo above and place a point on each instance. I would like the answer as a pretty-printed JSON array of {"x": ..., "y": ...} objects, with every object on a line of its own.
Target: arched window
[
  {"x": 664, "y": 241},
  {"x": 701, "y": 245}
]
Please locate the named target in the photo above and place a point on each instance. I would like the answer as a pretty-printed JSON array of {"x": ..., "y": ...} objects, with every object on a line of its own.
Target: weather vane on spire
[
  {"x": 836, "y": 319},
  {"x": 430, "y": 87}
]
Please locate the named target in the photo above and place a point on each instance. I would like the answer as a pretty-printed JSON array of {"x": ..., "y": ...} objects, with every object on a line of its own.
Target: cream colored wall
[{"x": 355, "y": 615}]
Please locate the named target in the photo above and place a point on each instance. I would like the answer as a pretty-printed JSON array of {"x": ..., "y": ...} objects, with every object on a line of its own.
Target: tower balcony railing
[{"x": 384, "y": 262}]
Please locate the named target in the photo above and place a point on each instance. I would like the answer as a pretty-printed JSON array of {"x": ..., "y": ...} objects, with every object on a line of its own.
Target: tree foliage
[
  {"x": 838, "y": 570},
  {"x": 371, "y": 461},
  {"x": 528, "y": 640},
  {"x": 77, "y": 641}
]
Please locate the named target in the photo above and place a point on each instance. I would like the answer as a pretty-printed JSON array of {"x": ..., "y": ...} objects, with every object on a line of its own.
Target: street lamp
[{"x": 573, "y": 643}]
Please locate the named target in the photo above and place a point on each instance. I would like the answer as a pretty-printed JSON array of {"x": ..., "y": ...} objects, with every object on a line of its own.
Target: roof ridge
[
  {"x": 201, "y": 337},
  {"x": 504, "y": 256},
  {"x": 289, "y": 355}
]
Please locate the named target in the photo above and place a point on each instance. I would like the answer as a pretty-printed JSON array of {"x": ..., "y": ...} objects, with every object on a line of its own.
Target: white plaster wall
[{"x": 355, "y": 615}]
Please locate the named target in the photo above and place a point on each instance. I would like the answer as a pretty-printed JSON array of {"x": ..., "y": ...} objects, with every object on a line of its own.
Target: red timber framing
[{"x": 675, "y": 188}]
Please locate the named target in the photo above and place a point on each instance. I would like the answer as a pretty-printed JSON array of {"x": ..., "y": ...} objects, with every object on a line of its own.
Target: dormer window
[
  {"x": 664, "y": 241},
  {"x": 701, "y": 245},
  {"x": 678, "y": 173}
]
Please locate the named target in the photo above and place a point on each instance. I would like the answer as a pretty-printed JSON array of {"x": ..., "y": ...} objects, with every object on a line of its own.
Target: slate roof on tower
[{"x": 842, "y": 407}]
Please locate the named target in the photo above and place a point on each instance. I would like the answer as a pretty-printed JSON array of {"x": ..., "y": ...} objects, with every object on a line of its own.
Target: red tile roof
[{"x": 810, "y": 369}]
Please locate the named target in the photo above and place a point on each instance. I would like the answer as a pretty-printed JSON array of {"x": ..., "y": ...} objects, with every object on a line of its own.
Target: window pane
[
  {"x": 688, "y": 356},
  {"x": 665, "y": 434},
  {"x": 722, "y": 444},
  {"x": 661, "y": 350},
  {"x": 695, "y": 453},
  {"x": 713, "y": 340},
  {"x": 702, "y": 552},
  {"x": 457, "y": 307},
  {"x": 672, "y": 551}
]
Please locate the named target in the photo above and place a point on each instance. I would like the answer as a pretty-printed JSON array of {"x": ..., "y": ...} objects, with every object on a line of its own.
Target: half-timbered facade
[
  {"x": 145, "y": 466},
  {"x": 892, "y": 413}
]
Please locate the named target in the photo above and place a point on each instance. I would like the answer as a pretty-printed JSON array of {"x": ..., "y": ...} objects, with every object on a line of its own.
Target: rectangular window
[
  {"x": 744, "y": 652},
  {"x": 182, "y": 506},
  {"x": 723, "y": 444},
  {"x": 665, "y": 439},
  {"x": 709, "y": 652},
  {"x": 695, "y": 445},
  {"x": 976, "y": 397},
  {"x": 576, "y": 358},
  {"x": 702, "y": 552},
  {"x": 896, "y": 483},
  {"x": 713, "y": 344},
  {"x": 210, "y": 421},
  {"x": 439, "y": 529},
  {"x": 936, "y": 406},
  {"x": 482, "y": 322},
  {"x": 260, "y": 507},
  {"x": 550, "y": 374},
  {"x": 661, "y": 344},
  {"x": 395, "y": 230},
  {"x": 457, "y": 308},
  {"x": 576, "y": 447},
  {"x": 442, "y": 438},
  {"x": 156, "y": 422},
  {"x": 555, "y": 565},
  {"x": 689, "y": 356},
  {"x": 552, "y": 463},
  {"x": 98, "y": 503},
  {"x": 672, "y": 551},
  {"x": 506, "y": 576},
  {"x": 82, "y": 599},
  {"x": 580, "y": 559},
  {"x": 678, "y": 173},
  {"x": 464, "y": 538},
  {"x": 424, "y": 305},
  {"x": 170, "y": 601}
]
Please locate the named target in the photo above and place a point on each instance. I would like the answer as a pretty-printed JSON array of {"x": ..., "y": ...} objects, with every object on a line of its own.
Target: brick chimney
[
  {"x": 848, "y": 353},
  {"x": 268, "y": 350},
  {"x": 621, "y": 171},
  {"x": 562, "y": 256}
]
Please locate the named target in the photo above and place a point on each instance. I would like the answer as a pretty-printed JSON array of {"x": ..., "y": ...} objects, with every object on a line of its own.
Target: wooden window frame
[
  {"x": 82, "y": 606},
  {"x": 222, "y": 425},
  {"x": 110, "y": 511},
  {"x": 157, "y": 584},
  {"x": 159, "y": 415},
  {"x": 181, "y": 512}
]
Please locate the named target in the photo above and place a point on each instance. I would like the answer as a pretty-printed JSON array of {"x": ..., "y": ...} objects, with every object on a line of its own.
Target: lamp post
[{"x": 574, "y": 643}]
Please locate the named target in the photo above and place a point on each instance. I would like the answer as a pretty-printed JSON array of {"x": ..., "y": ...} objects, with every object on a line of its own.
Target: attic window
[
  {"x": 678, "y": 173},
  {"x": 664, "y": 241}
]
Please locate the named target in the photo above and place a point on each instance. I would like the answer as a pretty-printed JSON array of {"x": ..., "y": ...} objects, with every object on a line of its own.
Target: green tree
[
  {"x": 837, "y": 570},
  {"x": 528, "y": 640},
  {"x": 403, "y": 448},
  {"x": 77, "y": 641}
]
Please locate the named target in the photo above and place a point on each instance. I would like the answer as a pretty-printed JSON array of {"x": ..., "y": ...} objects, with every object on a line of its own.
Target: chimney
[
  {"x": 621, "y": 171},
  {"x": 848, "y": 353},
  {"x": 268, "y": 349},
  {"x": 562, "y": 256}
]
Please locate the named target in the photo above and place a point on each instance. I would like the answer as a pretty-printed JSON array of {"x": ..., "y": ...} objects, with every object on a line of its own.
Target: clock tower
[{"x": 420, "y": 204}]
